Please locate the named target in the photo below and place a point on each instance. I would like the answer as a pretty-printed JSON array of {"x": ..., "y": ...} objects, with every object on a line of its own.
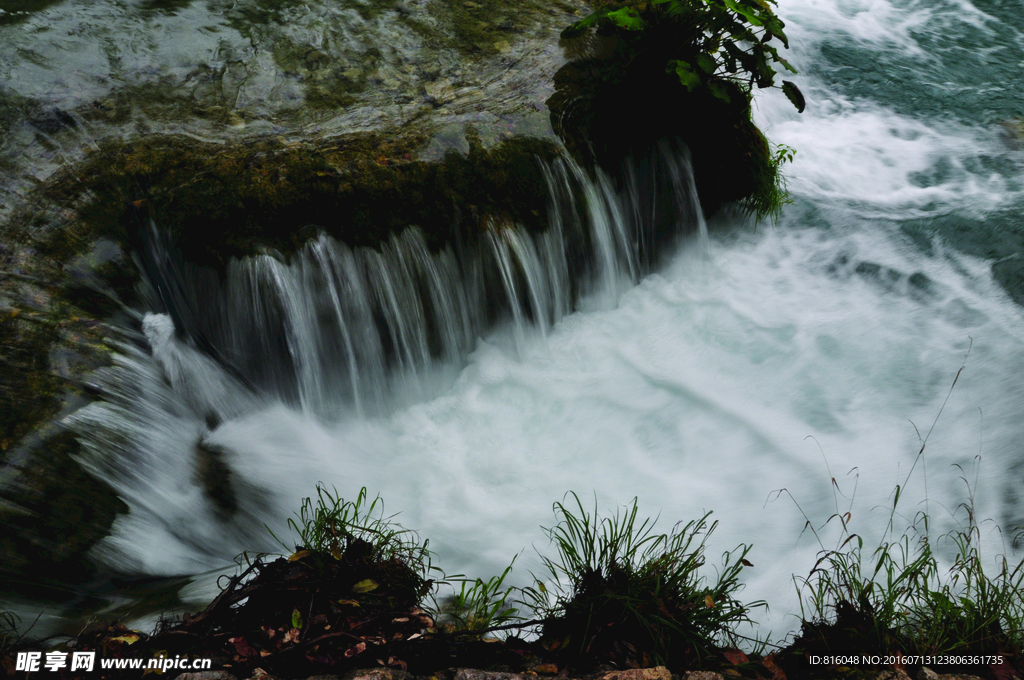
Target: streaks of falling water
[{"x": 375, "y": 320}]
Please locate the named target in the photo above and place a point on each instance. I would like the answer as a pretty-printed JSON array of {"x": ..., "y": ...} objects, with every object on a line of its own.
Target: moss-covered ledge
[
  {"x": 66, "y": 267},
  {"x": 220, "y": 201}
]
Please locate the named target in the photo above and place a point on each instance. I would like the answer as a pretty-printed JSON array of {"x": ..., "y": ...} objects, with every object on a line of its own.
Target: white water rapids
[{"x": 709, "y": 384}]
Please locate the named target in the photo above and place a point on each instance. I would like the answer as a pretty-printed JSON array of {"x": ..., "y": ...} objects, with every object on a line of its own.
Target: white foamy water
[{"x": 709, "y": 385}]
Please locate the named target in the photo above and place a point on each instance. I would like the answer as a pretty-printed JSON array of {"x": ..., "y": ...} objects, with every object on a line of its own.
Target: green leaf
[
  {"x": 720, "y": 91},
  {"x": 296, "y": 619},
  {"x": 580, "y": 27},
  {"x": 747, "y": 13},
  {"x": 730, "y": 62},
  {"x": 707, "y": 63},
  {"x": 686, "y": 74},
  {"x": 795, "y": 95},
  {"x": 627, "y": 18}
]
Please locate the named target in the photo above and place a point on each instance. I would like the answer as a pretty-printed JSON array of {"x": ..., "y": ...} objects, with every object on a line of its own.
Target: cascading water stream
[
  {"x": 473, "y": 387},
  {"x": 335, "y": 335},
  {"x": 466, "y": 391}
]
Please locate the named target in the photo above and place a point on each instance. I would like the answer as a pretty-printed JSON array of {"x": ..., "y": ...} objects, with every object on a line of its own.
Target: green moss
[
  {"x": 328, "y": 81},
  {"x": 221, "y": 201},
  {"x": 481, "y": 29}
]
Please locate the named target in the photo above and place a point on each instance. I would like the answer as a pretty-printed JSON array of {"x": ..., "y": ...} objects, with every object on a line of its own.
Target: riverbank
[{"x": 360, "y": 591}]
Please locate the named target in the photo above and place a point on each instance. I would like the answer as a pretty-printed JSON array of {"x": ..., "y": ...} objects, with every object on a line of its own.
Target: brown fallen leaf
[
  {"x": 735, "y": 656},
  {"x": 769, "y": 664},
  {"x": 358, "y": 649}
]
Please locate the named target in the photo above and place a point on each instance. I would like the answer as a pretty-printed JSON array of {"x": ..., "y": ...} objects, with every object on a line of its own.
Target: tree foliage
[{"x": 723, "y": 46}]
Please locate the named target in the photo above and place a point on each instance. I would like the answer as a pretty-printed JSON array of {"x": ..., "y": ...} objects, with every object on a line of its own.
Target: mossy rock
[
  {"x": 732, "y": 161},
  {"x": 226, "y": 201}
]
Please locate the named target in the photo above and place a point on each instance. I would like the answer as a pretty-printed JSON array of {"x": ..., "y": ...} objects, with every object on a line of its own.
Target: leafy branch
[{"x": 723, "y": 46}]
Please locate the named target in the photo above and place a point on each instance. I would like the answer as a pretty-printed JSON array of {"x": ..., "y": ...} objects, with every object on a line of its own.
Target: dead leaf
[
  {"x": 735, "y": 656},
  {"x": 242, "y": 647},
  {"x": 299, "y": 555},
  {"x": 365, "y": 586},
  {"x": 709, "y": 601},
  {"x": 349, "y": 602},
  {"x": 769, "y": 664},
  {"x": 291, "y": 636},
  {"x": 127, "y": 639},
  {"x": 746, "y": 563},
  {"x": 358, "y": 649}
]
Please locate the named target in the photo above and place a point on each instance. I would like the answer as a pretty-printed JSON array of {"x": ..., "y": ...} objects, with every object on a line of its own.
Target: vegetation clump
[
  {"x": 626, "y": 596},
  {"x": 688, "y": 69},
  {"x": 721, "y": 45},
  {"x": 899, "y": 599},
  {"x": 616, "y": 595}
]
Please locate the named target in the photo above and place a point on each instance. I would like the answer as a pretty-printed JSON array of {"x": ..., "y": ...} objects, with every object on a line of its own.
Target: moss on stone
[
  {"x": 481, "y": 29},
  {"x": 224, "y": 201}
]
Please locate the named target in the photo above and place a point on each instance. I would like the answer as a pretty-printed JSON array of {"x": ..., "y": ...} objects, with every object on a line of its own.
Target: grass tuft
[
  {"x": 8, "y": 630},
  {"x": 355, "y": 532},
  {"x": 899, "y": 598},
  {"x": 478, "y": 605},
  {"x": 622, "y": 593}
]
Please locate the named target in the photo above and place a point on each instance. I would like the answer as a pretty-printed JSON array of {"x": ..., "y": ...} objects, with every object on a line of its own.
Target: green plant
[
  {"x": 899, "y": 598},
  {"x": 8, "y": 629},
  {"x": 970, "y": 611},
  {"x": 616, "y": 585},
  {"x": 478, "y": 604},
  {"x": 904, "y": 601},
  {"x": 723, "y": 46},
  {"x": 770, "y": 192},
  {"x": 351, "y": 530}
]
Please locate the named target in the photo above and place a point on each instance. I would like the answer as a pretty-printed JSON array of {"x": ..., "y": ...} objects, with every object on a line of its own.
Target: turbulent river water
[{"x": 757, "y": 358}]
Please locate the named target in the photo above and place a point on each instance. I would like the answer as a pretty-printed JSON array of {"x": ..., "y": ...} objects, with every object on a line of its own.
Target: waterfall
[
  {"x": 334, "y": 328},
  {"x": 333, "y": 334}
]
